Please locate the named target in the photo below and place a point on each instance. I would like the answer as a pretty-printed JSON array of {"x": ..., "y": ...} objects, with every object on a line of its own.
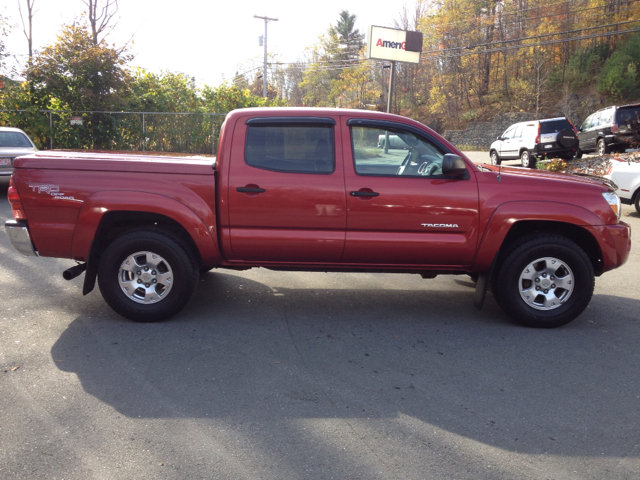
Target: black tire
[
  {"x": 495, "y": 159},
  {"x": 527, "y": 160},
  {"x": 160, "y": 260},
  {"x": 578, "y": 154},
  {"x": 601, "y": 147},
  {"x": 636, "y": 203},
  {"x": 567, "y": 138},
  {"x": 551, "y": 262}
]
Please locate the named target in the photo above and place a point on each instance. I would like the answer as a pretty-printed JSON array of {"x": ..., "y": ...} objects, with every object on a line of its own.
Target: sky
[{"x": 209, "y": 41}]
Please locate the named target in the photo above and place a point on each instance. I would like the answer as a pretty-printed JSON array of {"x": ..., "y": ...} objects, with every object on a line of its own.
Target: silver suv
[{"x": 528, "y": 141}]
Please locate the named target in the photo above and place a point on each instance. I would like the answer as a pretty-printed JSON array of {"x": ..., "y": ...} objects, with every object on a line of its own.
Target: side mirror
[
  {"x": 455, "y": 166},
  {"x": 499, "y": 137}
]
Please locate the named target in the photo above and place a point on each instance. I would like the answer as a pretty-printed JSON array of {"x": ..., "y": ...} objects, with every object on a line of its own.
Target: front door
[
  {"x": 401, "y": 209},
  {"x": 286, "y": 198},
  {"x": 506, "y": 145}
]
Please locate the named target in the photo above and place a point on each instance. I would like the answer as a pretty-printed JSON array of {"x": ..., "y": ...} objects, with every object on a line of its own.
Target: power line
[{"x": 566, "y": 32}]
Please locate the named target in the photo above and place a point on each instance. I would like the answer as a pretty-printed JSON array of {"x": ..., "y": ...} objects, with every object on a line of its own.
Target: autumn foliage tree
[{"x": 77, "y": 74}]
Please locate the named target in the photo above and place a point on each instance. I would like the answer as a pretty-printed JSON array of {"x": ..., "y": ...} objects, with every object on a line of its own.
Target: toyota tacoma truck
[{"x": 309, "y": 190}]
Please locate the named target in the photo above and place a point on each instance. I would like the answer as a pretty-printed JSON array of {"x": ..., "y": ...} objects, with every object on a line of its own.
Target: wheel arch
[
  {"x": 513, "y": 220},
  {"x": 523, "y": 149},
  {"x": 106, "y": 215},
  {"x": 575, "y": 233}
]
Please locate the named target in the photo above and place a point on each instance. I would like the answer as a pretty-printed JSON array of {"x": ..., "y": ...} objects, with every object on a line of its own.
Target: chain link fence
[{"x": 194, "y": 133}]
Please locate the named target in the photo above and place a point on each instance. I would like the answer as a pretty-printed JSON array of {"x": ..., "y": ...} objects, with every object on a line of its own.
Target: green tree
[
  {"x": 620, "y": 77},
  {"x": 349, "y": 40},
  {"x": 76, "y": 74}
]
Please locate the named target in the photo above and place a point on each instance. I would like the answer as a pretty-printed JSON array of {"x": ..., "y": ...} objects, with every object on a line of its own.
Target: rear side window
[
  {"x": 290, "y": 148},
  {"x": 518, "y": 133},
  {"x": 606, "y": 118},
  {"x": 554, "y": 126}
]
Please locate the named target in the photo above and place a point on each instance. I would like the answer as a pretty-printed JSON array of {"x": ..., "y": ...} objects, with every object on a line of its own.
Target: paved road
[{"x": 269, "y": 375}]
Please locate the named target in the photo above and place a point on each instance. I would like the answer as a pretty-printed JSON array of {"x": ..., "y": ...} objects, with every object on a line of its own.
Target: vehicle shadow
[{"x": 245, "y": 351}]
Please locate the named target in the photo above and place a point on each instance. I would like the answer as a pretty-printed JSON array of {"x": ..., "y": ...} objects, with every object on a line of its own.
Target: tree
[
  {"x": 27, "y": 27},
  {"x": 4, "y": 31},
  {"x": 100, "y": 17},
  {"x": 77, "y": 74},
  {"x": 335, "y": 76},
  {"x": 349, "y": 39}
]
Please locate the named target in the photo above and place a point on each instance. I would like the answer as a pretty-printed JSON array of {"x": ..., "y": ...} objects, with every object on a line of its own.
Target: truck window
[
  {"x": 419, "y": 158},
  {"x": 290, "y": 148}
]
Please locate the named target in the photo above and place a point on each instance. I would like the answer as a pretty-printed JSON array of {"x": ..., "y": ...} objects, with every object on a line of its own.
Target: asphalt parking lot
[{"x": 272, "y": 375}]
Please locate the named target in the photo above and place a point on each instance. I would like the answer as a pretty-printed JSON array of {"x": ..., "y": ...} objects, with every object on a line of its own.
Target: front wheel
[
  {"x": 147, "y": 276},
  {"x": 495, "y": 159},
  {"x": 545, "y": 282},
  {"x": 527, "y": 160},
  {"x": 637, "y": 202}
]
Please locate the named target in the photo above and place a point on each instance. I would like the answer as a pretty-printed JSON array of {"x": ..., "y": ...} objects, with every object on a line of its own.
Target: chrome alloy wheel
[
  {"x": 145, "y": 277},
  {"x": 546, "y": 283}
]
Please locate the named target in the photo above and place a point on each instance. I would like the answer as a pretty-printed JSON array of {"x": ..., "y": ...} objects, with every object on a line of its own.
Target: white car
[
  {"x": 13, "y": 143},
  {"x": 626, "y": 175},
  {"x": 528, "y": 141}
]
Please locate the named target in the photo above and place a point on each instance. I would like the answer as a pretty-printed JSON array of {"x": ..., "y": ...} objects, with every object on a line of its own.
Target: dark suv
[{"x": 612, "y": 129}]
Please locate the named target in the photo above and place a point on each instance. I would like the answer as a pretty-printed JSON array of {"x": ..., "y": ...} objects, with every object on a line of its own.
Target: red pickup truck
[{"x": 312, "y": 190}]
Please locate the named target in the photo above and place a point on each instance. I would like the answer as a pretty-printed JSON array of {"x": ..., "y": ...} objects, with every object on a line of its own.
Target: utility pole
[
  {"x": 390, "y": 96},
  {"x": 264, "y": 71}
]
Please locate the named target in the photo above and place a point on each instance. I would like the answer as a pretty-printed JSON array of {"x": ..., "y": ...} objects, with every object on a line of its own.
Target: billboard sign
[{"x": 394, "y": 45}]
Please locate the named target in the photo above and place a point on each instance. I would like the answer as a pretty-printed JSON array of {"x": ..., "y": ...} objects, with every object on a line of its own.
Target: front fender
[
  {"x": 507, "y": 214},
  {"x": 202, "y": 231}
]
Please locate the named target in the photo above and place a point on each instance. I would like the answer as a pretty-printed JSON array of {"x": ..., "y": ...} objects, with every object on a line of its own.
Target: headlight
[{"x": 613, "y": 200}]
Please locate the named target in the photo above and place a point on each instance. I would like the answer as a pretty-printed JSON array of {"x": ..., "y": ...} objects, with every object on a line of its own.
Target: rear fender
[{"x": 202, "y": 231}]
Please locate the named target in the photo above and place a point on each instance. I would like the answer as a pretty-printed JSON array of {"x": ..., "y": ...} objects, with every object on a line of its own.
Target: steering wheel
[
  {"x": 427, "y": 168},
  {"x": 404, "y": 163}
]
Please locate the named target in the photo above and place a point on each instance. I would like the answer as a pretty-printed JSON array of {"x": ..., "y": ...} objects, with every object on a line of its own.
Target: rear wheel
[
  {"x": 545, "y": 282},
  {"x": 578, "y": 154},
  {"x": 527, "y": 160},
  {"x": 637, "y": 202},
  {"x": 602, "y": 147},
  {"x": 147, "y": 276}
]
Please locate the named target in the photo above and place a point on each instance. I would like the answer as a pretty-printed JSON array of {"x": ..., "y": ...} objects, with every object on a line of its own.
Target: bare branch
[
  {"x": 29, "y": 25},
  {"x": 101, "y": 17}
]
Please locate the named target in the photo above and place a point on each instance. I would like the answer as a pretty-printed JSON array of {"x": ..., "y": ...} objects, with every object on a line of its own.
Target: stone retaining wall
[{"x": 482, "y": 134}]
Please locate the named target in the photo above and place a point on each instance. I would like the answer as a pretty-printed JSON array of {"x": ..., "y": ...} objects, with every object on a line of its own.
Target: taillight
[
  {"x": 614, "y": 128},
  {"x": 575, "y": 130},
  {"x": 15, "y": 202},
  {"x": 538, "y": 136}
]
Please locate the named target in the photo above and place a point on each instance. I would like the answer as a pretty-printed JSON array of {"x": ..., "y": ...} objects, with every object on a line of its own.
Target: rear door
[
  {"x": 286, "y": 199},
  {"x": 401, "y": 209}
]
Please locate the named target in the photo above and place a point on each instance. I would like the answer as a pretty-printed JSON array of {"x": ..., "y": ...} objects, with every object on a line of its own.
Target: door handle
[
  {"x": 250, "y": 190},
  {"x": 364, "y": 194}
]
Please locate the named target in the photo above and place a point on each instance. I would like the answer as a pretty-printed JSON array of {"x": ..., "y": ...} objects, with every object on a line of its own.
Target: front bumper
[
  {"x": 621, "y": 236},
  {"x": 18, "y": 234}
]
